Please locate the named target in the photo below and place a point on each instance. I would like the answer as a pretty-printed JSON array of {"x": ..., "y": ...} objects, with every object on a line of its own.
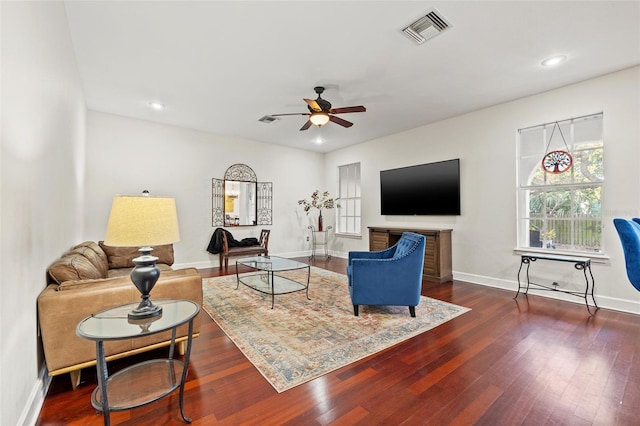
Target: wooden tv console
[{"x": 437, "y": 254}]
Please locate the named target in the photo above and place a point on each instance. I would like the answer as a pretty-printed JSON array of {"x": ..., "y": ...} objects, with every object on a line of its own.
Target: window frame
[
  {"x": 572, "y": 189},
  {"x": 349, "y": 204}
]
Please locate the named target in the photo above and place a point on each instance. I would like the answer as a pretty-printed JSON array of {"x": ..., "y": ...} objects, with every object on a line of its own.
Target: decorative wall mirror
[{"x": 239, "y": 199}]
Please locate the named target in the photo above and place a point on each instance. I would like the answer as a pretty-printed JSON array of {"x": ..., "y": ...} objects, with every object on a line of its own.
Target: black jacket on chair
[{"x": 216, "y": 244}]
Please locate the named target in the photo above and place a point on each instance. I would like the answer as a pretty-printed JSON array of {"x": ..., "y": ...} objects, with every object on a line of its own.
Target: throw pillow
[
  {"x": 73, "y": 267},
  {"x": 94, "y": 254},
  {"x": 122, "y": 257}
]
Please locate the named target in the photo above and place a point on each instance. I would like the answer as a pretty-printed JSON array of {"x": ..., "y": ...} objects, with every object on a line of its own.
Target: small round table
[{"x": 147, "y": 381}]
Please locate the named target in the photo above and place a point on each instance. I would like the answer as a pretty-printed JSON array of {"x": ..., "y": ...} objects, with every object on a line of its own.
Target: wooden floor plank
[{"x": 529, "y": 361}]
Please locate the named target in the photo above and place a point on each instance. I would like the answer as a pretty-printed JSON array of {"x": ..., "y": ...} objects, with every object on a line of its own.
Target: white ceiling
[{"x": 219, "y": 66}]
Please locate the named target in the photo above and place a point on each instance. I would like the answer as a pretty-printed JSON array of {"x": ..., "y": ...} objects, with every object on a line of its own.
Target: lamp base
[
  {"x": 144, "y": 277},
  {"x": 147, "y": 311}
]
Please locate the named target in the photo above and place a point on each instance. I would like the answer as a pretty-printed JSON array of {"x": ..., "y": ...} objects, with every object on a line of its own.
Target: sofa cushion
[
  {"x": 73, "y": 266},
  {"x": 122, "y": 257},
  {"x": 125, "y": 272},
  {"x": 116, "y": 276},
  {"x": 79, "y": 284}
]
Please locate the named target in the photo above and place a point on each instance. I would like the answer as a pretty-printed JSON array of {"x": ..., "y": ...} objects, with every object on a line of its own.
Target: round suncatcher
[{"x": 558, "y": 161}]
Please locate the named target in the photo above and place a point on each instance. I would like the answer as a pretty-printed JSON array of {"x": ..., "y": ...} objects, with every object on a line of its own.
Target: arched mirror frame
[{"x": 263, "y": 193}]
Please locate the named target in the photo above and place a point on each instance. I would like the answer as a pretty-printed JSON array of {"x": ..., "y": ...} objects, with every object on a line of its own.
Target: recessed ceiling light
[
  {"x": 554, "y": 60},
  {"x": 156, "y": 105},
  {"x": 319, "y": 140}
]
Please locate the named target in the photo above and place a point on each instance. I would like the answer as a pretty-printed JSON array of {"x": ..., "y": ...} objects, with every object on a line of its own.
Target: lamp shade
[{"x": 142, "y": 221}]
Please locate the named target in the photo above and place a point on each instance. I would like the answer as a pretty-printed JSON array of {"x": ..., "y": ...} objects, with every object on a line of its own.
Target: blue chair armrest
[{"x": 382, "y": 254}]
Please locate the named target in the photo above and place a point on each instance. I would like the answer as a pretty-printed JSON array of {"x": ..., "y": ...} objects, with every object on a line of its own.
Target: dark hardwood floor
[{"x": 536, "y": 361}]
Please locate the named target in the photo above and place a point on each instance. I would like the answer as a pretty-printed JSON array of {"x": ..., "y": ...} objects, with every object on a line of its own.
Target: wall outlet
[{"x": 307, "y": 238}]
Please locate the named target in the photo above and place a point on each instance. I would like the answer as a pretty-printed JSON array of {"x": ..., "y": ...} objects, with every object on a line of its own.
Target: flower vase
[{"x": 320, "y": 222}]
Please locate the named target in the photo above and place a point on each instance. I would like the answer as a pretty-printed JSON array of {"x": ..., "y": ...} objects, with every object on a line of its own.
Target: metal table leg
[
  {"x": 103, "y": 375},
  {"x": 185, "y": 371}
]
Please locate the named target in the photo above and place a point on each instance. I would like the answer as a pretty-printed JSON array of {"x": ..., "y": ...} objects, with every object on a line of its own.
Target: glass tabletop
[
  {"x": 271, "y": 263},
  {"x": 113, "y": 324}
]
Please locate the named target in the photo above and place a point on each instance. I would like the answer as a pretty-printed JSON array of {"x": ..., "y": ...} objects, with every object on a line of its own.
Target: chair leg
[
  {"x": 412, "y": 310},
  {"x": 355, "y": 310}
]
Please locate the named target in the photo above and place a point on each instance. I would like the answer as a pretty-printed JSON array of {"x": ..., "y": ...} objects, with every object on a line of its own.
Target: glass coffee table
[{"x": 266, "y": 281}]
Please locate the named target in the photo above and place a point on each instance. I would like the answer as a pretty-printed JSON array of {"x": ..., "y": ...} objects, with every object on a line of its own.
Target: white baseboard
[
  {"x": 35, "y": 401},
  {"x": 197, "y": 265},
  {"x": 214, "y": 263},
  {"x": 613, "y": 303}
]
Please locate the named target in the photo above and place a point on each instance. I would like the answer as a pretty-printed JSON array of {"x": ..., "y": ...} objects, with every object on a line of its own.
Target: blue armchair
[
  {"x": 388, "y": 277},
  {"x": 629, "y": 233}
]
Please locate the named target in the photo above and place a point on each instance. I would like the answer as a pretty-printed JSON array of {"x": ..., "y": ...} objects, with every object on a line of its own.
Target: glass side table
[
  {"x": 319, "y": 239},
  {"x": 148, "y": 381}
]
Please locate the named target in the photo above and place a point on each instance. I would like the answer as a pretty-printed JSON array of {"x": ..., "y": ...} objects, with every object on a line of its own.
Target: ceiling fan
[{"x": 320, "y": 112}]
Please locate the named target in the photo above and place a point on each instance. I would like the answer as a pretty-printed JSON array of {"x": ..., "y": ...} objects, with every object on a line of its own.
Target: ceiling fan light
[{"x": 319, "y": 118}]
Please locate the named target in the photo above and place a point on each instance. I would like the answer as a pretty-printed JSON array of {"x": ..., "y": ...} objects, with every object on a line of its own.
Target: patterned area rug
[{"x": 299, "y": 339}]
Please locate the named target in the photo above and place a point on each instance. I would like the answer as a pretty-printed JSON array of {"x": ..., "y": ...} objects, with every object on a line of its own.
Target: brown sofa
[{"x": 92, "y": 277}]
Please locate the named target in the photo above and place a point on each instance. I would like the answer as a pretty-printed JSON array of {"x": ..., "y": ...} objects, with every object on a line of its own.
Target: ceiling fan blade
[
  {"x": 313, "y": 105},
  {"x": 343, "y": 110},
  {"x": 293, "y": 113},
  {"x": 340, "y": 121},
  {"x": 306, "y": 125}
]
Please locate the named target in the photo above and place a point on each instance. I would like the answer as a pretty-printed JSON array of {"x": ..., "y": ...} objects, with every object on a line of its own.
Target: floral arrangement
[{"x": 318, "y": 201}]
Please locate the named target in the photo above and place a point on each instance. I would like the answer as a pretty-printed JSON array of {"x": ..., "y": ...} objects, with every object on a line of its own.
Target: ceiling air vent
[
  {"x": 426, "y": 27},
  {"x": 267, "y": 119}
]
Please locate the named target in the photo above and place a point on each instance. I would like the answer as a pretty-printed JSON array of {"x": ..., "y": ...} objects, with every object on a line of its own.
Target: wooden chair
[{"x": 227, "y": 251}]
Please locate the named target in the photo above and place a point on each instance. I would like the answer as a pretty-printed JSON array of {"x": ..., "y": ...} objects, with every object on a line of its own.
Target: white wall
[
  {"x": 125, "y": 156},
  {"x": 42, "y": 168},
  {"x": 485, "y": 141},
  {"x": 52, "y": 197}
]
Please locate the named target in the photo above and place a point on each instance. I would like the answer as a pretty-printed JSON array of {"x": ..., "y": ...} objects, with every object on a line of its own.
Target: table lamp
[{"x": 143, "y": 221}]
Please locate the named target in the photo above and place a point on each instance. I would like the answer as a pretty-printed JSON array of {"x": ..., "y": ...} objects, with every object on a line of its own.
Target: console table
[
  {"x": 580, "y": 263},
  {"x": 147, "y": 381},
  {"x": 437, "y": 253}
]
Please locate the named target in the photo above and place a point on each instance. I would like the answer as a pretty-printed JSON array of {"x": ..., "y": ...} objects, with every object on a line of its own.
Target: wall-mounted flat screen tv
[{"x": 425, "y": 189}]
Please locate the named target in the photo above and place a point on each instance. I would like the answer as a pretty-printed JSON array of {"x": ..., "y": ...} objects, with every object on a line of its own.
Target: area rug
[{"x": 300, "y": 339}]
